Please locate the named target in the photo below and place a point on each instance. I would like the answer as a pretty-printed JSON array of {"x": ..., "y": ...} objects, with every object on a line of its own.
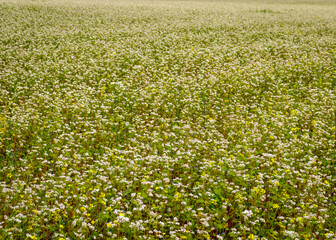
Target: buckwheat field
[{"x": 167, "y": 119}]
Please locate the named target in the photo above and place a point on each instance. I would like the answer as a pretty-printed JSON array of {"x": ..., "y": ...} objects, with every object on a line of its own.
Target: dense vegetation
[{"x": 167, "y": 120}]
